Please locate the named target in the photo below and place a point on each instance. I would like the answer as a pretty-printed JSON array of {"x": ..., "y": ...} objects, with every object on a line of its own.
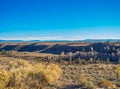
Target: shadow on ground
[{"x": 72, "y": 87}]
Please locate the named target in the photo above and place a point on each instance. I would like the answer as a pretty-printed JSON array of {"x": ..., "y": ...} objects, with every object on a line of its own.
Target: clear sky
[{"x": 59, "y": 19}]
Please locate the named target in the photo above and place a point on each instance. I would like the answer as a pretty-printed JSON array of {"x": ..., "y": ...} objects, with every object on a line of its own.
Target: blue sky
[{"x": 59, "y": 19}]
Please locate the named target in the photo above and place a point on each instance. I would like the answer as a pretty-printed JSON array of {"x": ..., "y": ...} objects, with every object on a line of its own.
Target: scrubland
[
  {"x": 18, "y": 73},
  {"x": 60, "y": 66}
]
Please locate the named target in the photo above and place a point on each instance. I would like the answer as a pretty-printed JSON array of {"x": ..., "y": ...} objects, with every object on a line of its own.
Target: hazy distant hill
[
  {"x": 101, "y": 40},
  {"x": 11, "y": 41},
  {"x": 86, "y": 40},
  {"x": 2, "y": 40}
]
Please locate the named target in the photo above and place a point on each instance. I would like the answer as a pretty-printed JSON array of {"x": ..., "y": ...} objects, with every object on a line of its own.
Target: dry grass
[
  {"x": 20, "y": 74},
  {"x": 28, "y": 75},
  {"x": 4, "y": 78},
  {"x": 106, "y": 84},
  {"x": 31, "y": 54}
]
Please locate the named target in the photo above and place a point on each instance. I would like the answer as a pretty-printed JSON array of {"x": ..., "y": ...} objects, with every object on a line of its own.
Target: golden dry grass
[
  {"x": 20, "y": 74},
  {"x": 28, "y": 74}
]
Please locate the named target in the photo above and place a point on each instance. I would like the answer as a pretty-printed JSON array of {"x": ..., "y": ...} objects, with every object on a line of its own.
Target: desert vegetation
[
  {"x": 20, "y": 74},
  {"x": 73, "y": 70}
]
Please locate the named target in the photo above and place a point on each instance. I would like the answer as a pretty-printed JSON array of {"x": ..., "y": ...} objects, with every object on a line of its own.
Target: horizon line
[{"x": 55, "y": 38}]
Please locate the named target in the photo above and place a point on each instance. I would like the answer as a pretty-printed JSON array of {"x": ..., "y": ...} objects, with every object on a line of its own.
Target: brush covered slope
[{"x": 18, "y": 73}]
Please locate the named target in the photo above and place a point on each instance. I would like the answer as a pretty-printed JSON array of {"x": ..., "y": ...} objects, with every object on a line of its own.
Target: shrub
[
  {"x": 14, "y": 64},
  {"x": 106, "y": 84},
  {"x": 38, "y": 59},
  {"x": 4, "y": 78},
  {"x": 82, "y": 80},
  {"x": 23, "y": 75},
  {"x": 44, "y": 75},
  {"x": 54, "y": 67},
  {"x": 18, "y": 70},
  {"x": 18, "y": 77},
  {"x": 37, "y": 79},
  {"x": 52, "y": 73},
  {"x": 108, "y": 61},
  {"x": 39, "y": 66},
  {"x": 83, "y": 62},
  {"x": 15, "y": 79},
  {"x": 90, "y": 85},
  {"x": 3, "y": 52}
]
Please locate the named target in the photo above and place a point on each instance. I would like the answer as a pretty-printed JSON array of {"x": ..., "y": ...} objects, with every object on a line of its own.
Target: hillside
[{"x": 77, "y": 50}]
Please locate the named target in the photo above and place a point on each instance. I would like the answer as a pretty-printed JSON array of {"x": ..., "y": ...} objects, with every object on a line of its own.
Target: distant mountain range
[{"x": 86, "y": 40}]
